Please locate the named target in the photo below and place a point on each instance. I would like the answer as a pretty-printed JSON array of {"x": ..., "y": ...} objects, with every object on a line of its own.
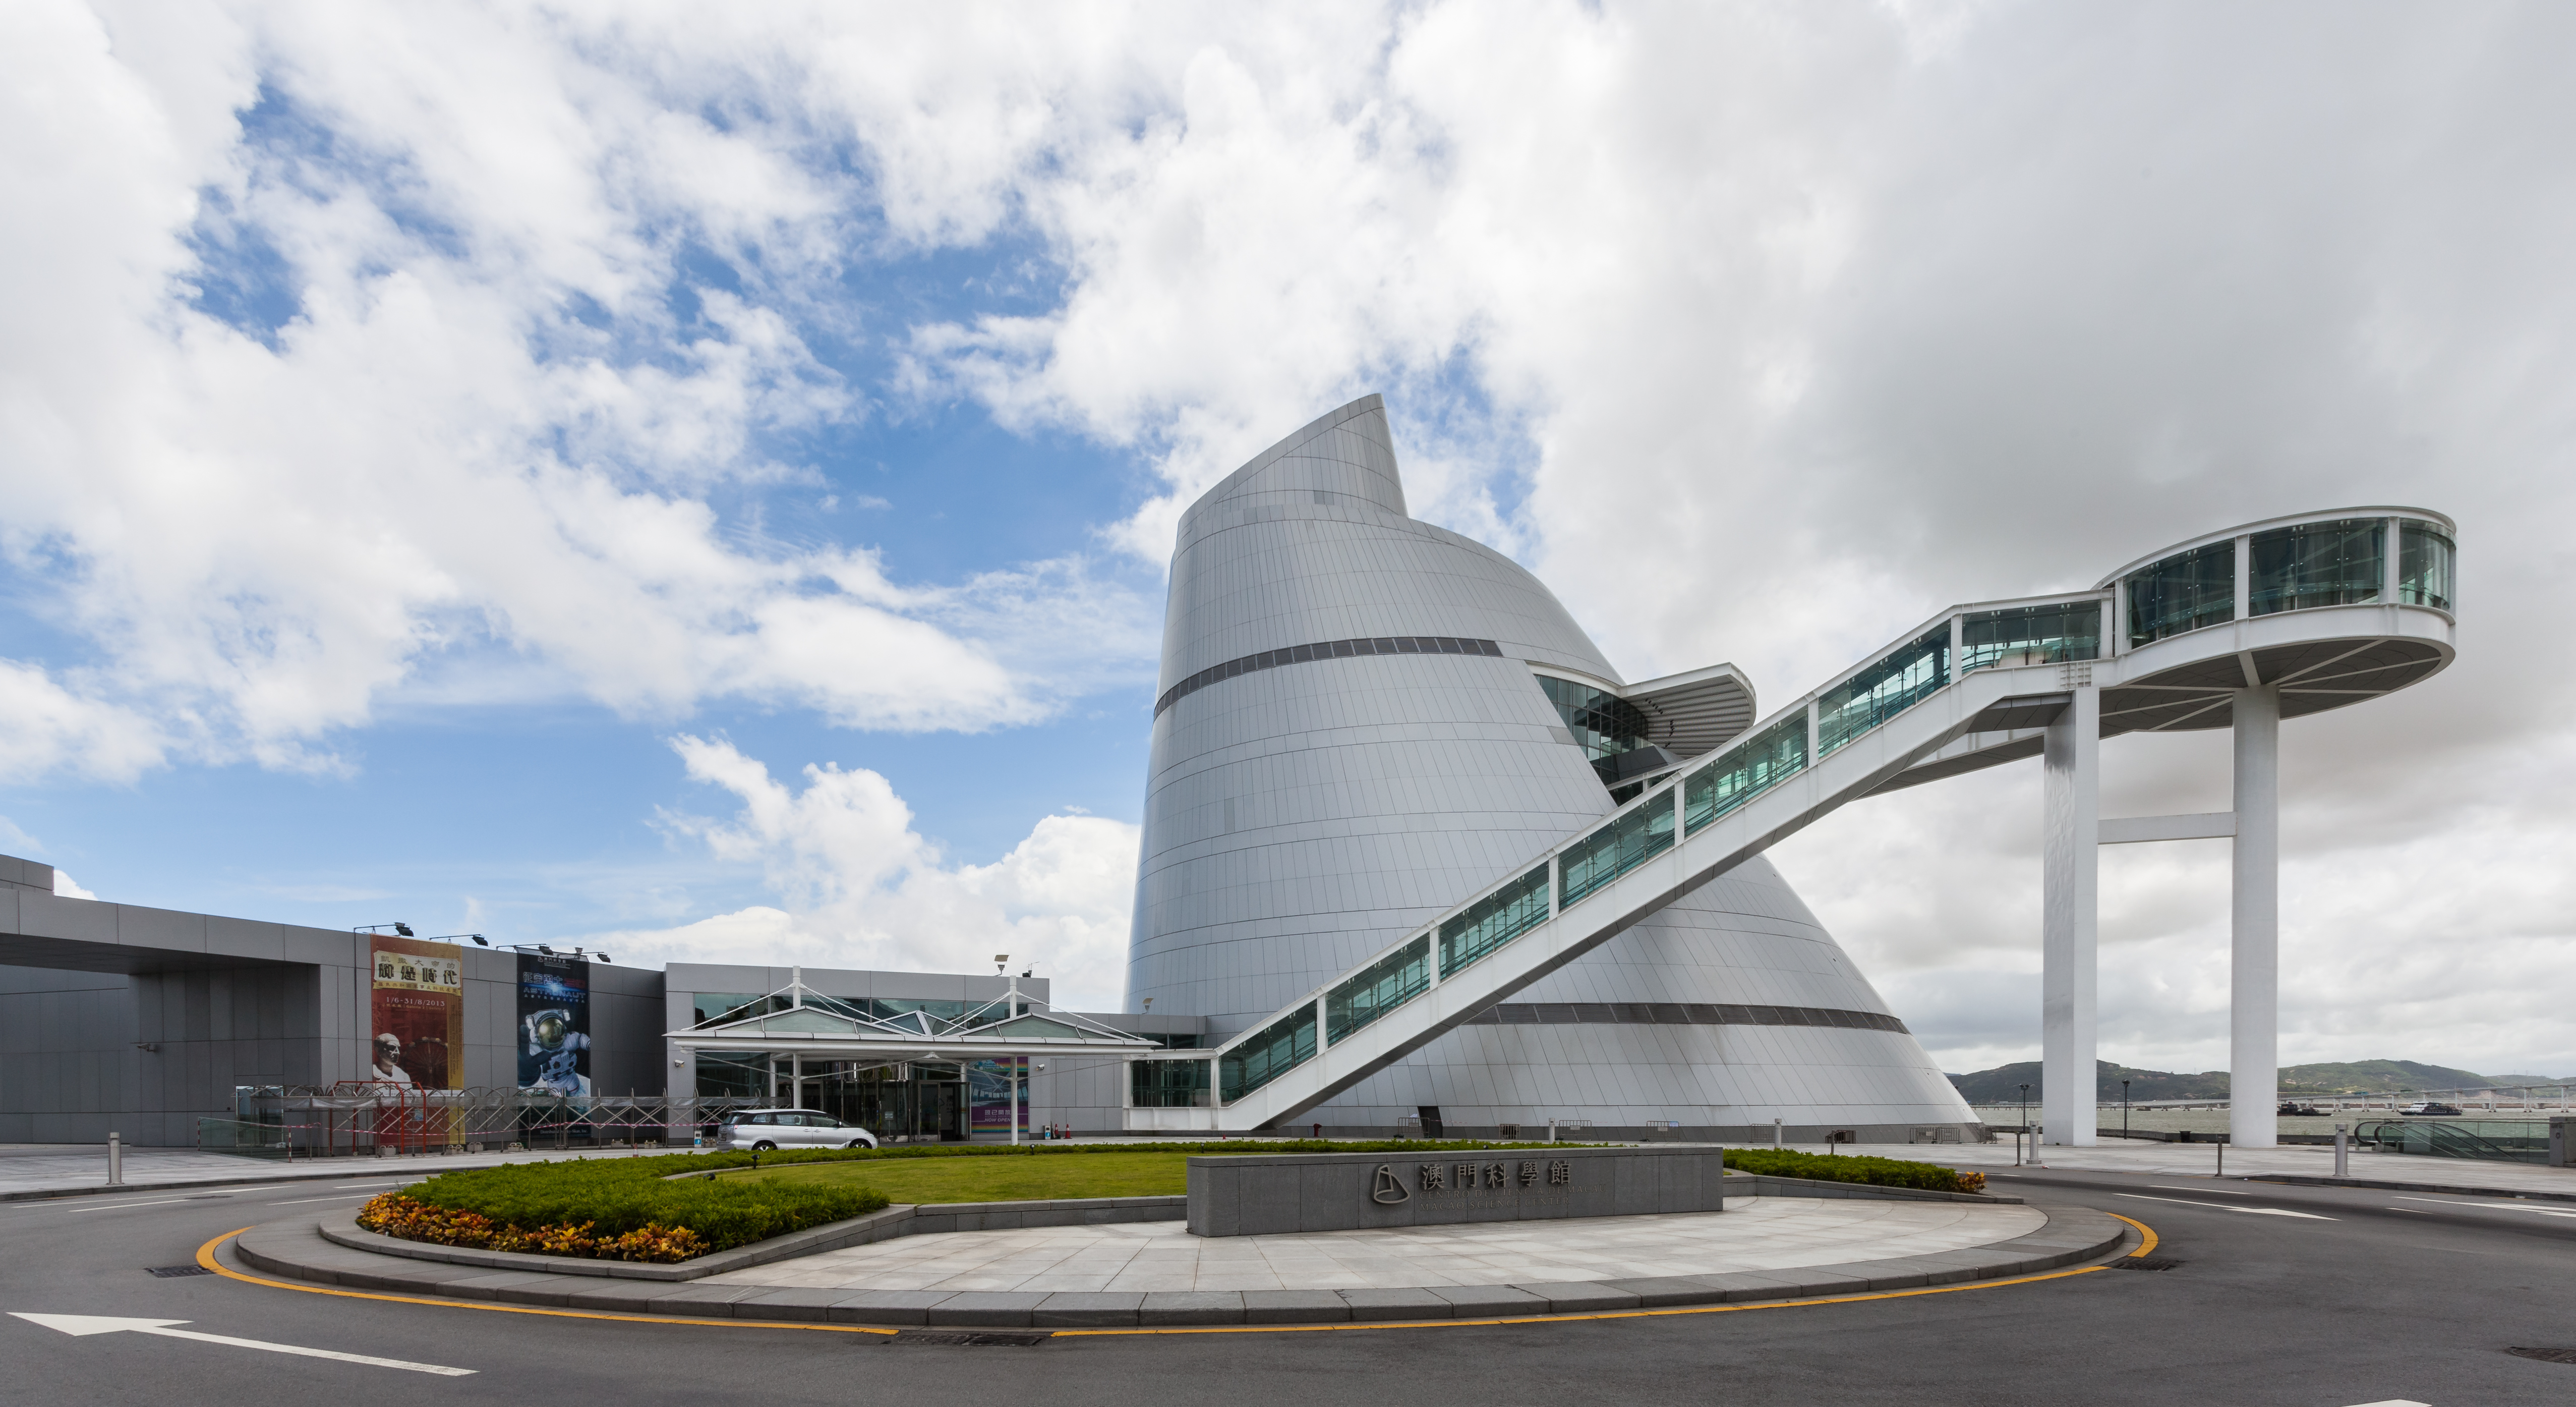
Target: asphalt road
[{"x": 2368, "y": 1297}]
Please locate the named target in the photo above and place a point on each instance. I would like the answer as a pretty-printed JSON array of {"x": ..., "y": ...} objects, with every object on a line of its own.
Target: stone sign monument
[{"x": 1269, "y": 1196}]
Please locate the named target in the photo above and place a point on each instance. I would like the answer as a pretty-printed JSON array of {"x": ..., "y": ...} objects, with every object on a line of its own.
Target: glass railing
[
  {"x": 1883, "y": 690},
  {"x": 1494, "y": 920},
  {"x": 2494, "y": 1140},
  {"x": 1378, "y": 988},
  {"x": 2014, "y": 636},
  {"x": 1276, "y": 1049},
  {"x": 1646, "y": 831},
  {"x": 1744, "y": 772}
]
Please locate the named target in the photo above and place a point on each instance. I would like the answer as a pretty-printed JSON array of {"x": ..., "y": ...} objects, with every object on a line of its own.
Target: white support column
[
  {"x": 2070, "y": 910},
  {"x": 2254, "y": 975}
]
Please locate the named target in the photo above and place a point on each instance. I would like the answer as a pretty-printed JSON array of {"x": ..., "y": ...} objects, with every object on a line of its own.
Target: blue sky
[{"x": 700, "y": 483}]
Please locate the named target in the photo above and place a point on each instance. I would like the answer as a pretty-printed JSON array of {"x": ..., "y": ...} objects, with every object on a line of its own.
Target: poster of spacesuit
[
  {"x": 554, "y": 1024},
  {"x": 418, "y": 1010}
]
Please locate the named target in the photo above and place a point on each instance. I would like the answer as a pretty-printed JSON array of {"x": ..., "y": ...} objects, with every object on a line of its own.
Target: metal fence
[{"x": 368, "y": 1118}]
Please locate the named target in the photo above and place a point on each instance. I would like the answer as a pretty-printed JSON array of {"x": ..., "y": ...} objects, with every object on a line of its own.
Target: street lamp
[
  {"x": 2124, "y": 1109},
  {"x": 2027, "y": 1131}
]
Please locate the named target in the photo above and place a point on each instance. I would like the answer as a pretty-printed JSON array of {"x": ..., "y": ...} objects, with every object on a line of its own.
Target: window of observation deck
[
  {"x": 2317, "y": 564},
  {"x": 2185, "y": 591},
  {"x": 2060, "y": 630},
  {"x": 2425, "y": 559},
  {"x": 1603, "y": 724}
]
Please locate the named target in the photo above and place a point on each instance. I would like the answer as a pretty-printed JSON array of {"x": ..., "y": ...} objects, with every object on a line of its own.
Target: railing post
[
  {"x": 1958, "y": 646},
  {"x": 1814, "y": 737},
  {"x": 2244, "y": 578},
  {"x": 2388, "y": 566}
]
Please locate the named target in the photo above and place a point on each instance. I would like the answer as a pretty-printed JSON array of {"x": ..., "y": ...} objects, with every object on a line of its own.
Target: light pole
[
  {"x": 2124, "y": 1110},
  {"x": 2027, "y": 1131}
]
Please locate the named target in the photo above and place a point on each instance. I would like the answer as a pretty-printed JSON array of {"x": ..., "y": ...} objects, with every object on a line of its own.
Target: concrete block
[
  {"x": 1294, "y": 1307},
  {"x": 897, "y": 1307},
  {"x": 1165, "y": 1307},
  {"x": 513, "y": 1285},
  {"x": 1658, "y": 1291},
  {"x": 1396, "y": 1304},
  {"x": 988, "y": 1309},
  {"x": 701, "y": 1301},
  {"x": 1071, "y": 1309},
  {"x": 1580, "y": 1297},
  {"x": 812, "y": 1305},
  {"x": 1489, "y": 1301},
  {"x": 621, "y": 1296}
]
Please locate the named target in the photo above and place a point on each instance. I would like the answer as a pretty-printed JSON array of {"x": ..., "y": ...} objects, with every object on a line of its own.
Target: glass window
[
  {"x": 2017, "y": 635},
  {"x": 1883, "y": 690},
  {"x": 1603, "y": 724},
  {"x": 2185, "y": 591},
  {"x": 2424, "y": 564},
  {"x": 1278, "y": 1048},
  {"x": 732, "y": 1074},
  {"x": 2316, "y": 564},
  {"x": 1494, "y": 920},
  {"x": 1168, "y": 1084},
  {"x": 1616, "y": 848},
  {"x": 715, "y": 1008},
  {"x": 1379, "y": 988},
  {"x": 1745, "y": 771}
]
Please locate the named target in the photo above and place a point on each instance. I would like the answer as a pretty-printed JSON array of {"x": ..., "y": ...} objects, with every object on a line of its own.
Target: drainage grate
[
  {"x": 953, "y": 1339},
  {"x": 173, "y": 1272},
  {"x": 2145, "y": 1263},
  {"x": 2545, "y": 1355}
]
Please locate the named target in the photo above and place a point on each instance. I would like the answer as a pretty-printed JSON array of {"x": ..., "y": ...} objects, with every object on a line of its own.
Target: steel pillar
[
  {"x": 2254, "y": 971},
  {"x": 2070, "y": 908}
]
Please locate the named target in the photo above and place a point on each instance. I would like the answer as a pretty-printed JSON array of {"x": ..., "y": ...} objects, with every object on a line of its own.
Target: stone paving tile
[{"x": 1755, "y": 1236}]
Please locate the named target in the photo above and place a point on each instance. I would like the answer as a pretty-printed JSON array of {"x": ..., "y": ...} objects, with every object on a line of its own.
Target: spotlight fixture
[
  {"x": 479, "y": 940},
  {"x": 404, "y": 929},
  {"x": 549, "y": 952},
  {"x": 603, "y": 957},
  {"x": 1000, "y": 961}
]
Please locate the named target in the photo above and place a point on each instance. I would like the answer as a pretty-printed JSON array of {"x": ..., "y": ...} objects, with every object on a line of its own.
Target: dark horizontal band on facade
[
  {"x": 1678, "y": 1014},
  {"x": 1328, "y": 650}
]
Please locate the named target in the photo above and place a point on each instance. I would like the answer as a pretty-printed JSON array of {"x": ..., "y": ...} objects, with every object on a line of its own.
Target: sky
[{"x": 697, "y": 481}]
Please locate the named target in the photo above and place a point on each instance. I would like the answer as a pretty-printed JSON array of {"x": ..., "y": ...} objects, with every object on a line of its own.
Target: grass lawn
[{"x": 1011, "y": 1179}]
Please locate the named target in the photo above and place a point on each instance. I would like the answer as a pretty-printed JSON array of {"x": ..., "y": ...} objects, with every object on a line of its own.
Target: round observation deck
[{"x": 2334, "y": 608}]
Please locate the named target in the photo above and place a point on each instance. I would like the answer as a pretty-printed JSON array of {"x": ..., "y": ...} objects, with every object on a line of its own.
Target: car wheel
[
  {"x": 858, "y": 1143},
  {"x": 764, "y": 1146}
]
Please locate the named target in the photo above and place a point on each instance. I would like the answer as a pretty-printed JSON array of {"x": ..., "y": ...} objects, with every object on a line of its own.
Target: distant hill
[{"x": 2002, "y": 1085}]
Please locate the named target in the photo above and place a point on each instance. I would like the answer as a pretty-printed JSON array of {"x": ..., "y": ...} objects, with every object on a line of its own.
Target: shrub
[
  {"x": 1877, "y": 1172},
  {"x": 612, "y": 1208}
]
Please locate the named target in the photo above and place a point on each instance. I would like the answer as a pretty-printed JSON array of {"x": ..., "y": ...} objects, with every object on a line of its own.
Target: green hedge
[
  {"x": 618, "y": 1195},
  {"x": 1877, "y": 1172}
]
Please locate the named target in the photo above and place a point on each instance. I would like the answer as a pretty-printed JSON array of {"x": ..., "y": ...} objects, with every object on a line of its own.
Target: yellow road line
[
  {"x": 2144, "y": 1230},
  {"x": 206, "y": 1258}
]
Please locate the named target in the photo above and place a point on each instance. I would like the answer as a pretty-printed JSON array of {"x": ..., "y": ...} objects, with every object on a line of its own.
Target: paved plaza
[{"x": 1753, "y": 1234}]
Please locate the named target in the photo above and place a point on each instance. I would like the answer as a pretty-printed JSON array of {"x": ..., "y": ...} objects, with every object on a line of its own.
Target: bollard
[
  {"x": 2222, "y": 1161},
  {"x": 2342, "y": 1168},
  {"x": 115, "y": 1161}
]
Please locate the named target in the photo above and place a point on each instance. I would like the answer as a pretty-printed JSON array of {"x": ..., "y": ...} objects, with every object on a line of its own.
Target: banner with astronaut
[{"x": 554, "y": 1024}]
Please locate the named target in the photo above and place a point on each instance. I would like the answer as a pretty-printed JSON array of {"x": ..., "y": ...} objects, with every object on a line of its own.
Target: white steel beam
[
  {"x": 2070, "y": 910},
  {"x": 2254, "y": 966}
]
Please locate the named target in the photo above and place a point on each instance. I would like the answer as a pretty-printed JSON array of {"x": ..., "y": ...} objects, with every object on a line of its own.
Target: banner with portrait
[
  {"x": 418, "y": 1013},
  {"x": 554, "y": 1024}
]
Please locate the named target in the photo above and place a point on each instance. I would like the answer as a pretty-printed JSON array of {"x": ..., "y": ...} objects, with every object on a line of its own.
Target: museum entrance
[{"x": 915, "y": 1103}]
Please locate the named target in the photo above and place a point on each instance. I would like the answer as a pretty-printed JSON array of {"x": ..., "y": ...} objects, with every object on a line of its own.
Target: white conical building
[{"x": 1364, "y": 720}]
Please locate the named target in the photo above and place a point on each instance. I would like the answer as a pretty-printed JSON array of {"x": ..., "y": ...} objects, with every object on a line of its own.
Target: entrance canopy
[{"x": 797, "y": 1020}]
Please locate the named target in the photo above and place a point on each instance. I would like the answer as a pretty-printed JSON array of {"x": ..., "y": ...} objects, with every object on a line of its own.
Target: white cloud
[
  {"x": 1762, "y": 331},
  {"x": 69, "y": 888},
  {"x": 859, "y": 887}
]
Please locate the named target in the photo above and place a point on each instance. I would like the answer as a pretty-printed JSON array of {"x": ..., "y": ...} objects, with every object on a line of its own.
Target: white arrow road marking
[
  {"x": 2232, "y": 1207},
  {"x": 83, "y": 1325}
]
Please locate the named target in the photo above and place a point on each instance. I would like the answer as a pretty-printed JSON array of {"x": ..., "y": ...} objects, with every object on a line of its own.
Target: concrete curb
[
  {"x": 902, "y": 1219},
  {"x": 301, "y": 1250}
]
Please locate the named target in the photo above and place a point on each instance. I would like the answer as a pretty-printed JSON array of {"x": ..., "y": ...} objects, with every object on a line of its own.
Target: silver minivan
[{"x": 764, "y": 1129}]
